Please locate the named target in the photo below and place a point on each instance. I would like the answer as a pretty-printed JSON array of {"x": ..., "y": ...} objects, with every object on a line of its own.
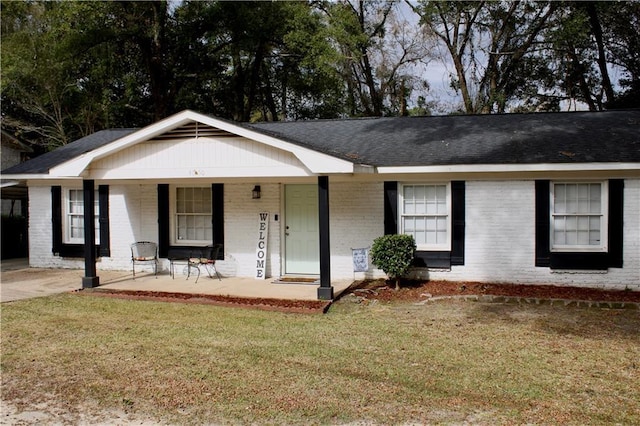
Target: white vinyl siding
[
  {"x": 192, "y": 216},
  {"x": 425, "y": 213},
  {"x": 74, "y": 216},
  {"x": 579, "y": 216}
]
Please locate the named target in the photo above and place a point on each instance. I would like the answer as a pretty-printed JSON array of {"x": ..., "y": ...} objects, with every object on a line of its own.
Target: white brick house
[{"x": 549, "y": 198}]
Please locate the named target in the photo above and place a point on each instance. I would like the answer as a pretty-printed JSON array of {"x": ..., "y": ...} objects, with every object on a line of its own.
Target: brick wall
[
  {"x": 357, "y": 218},
  {"x": 241, "y": 229},
  {"x": 499, "y": 240}
]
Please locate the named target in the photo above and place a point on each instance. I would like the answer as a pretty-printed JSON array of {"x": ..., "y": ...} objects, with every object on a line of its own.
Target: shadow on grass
[{"x": 588, "y": 323}]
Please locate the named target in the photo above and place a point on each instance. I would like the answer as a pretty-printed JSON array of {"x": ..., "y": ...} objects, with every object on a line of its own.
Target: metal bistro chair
[
  {"x": 144, "y": 252},
  {"x": 207, "y": 258}
]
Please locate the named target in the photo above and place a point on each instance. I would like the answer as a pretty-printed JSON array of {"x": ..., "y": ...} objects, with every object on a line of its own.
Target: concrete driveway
[{"x": 18, "y": 281}]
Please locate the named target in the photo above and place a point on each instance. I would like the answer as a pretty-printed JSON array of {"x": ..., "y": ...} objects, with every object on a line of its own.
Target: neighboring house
[
  {"x": 13, "y": 152},
  {"x": 13, "y": 199},
  {"x": 522, "y": 198}
]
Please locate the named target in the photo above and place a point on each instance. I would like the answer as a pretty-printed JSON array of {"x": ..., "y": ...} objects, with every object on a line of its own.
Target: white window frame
[
  {"x": 173, "y": 222},
  {"x": 67, "y": 215},
  {"x": 444, "y": 246},
  {"x": 603, "y": 215}
]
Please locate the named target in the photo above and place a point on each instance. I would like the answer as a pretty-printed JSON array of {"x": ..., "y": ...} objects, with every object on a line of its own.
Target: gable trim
[{"x": 315, "y": 161}]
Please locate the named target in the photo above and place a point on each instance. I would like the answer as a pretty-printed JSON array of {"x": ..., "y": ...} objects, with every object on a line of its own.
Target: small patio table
[{"x": 187, "y": 262}]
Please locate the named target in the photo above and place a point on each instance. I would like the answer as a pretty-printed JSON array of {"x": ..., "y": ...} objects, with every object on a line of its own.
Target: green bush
[{"x": 393, "y": 254}]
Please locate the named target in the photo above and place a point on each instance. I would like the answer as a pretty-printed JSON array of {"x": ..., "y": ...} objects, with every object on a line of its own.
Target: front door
[{"x": 302, "y": 243}]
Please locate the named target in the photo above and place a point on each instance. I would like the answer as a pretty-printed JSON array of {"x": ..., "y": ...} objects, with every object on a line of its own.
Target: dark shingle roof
[
  {"x": 43, "y": 163},
  {"x": 568, "y": 137}
]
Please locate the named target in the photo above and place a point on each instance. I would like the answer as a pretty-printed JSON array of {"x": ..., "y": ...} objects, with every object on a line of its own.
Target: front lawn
[{"x": 82, "y": 358}]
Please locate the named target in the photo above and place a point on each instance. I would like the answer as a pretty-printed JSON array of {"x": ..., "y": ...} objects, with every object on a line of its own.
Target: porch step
[{"x": 297, "y": 280}]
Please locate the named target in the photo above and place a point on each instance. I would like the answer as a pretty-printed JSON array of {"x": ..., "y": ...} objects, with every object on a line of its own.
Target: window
[
  {"x": 192, "y": 220},
  {"x": 425, "y": 213},
  {"x": 62, "y": 213},
  {"x": 74, "y": 217},
  {"x": 167, "y": 220},
  {"x": 580, "y": 257},
  {"x": 579, "y": 216}
]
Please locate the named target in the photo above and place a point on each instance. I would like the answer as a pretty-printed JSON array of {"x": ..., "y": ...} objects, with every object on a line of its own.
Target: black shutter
[
  {"x": 542, "y": 195},
  {"x": 390, "y": 208},
  {"x": 616, "y": 219},
  {"x": 56, "y": 219},
  {"x": 458, "y": 222},
  {"x": 217, "y": 215},
  {"x": 163, "y": 220},
  {"x": 103, "y": 218}
]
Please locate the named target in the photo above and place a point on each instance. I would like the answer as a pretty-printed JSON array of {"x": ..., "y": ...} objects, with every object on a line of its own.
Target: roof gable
[
  {"x": 195, "y": 150},
  {"x": 75, "y": 159}
]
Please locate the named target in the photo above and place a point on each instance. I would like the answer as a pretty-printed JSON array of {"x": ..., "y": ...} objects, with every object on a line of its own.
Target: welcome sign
[{"x": 261, "y": 248}]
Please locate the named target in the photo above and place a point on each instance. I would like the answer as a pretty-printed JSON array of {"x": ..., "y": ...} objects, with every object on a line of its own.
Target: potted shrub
[{"x": 394, "y": 255}]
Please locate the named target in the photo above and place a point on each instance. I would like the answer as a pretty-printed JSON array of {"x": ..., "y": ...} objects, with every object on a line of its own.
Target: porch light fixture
[{"x": 255, "y": 194}]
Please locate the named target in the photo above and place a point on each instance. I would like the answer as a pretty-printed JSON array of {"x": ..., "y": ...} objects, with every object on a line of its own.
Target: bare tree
[
  {"x": 489, "y": 44},
  {"x": 378, "y": 48}
]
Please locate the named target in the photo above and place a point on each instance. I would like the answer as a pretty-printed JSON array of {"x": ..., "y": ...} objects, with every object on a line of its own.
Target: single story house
[{"x": 545, "y": 198}]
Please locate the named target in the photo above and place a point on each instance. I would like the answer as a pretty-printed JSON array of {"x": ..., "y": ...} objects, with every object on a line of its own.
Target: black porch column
[
  {"x": 325, "y": 291},
  {"x": 90, "y": 278}
]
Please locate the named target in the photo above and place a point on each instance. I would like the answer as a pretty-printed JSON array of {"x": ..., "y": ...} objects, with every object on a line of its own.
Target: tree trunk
[
  {"x": 254, "y": 81},
  {"x": 578, "y": 71},
  {"x": 602, "y": 60},
  {"x": 237, "y": 82},
  {"x": 462, "y": 81}
]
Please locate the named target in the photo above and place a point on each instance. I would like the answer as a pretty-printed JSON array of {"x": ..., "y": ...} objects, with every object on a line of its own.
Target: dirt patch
[{"x": 382, "y": 290}]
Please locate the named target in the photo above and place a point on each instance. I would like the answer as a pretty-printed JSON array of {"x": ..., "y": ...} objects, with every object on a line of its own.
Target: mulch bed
[
  {"x": 384, "y": 291},
  {"x": 418, "y": 290},
  {"x": 279, "y": 305}
]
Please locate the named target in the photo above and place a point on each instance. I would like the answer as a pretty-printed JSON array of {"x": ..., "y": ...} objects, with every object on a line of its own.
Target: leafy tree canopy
[{"x": 72, "y": 68}]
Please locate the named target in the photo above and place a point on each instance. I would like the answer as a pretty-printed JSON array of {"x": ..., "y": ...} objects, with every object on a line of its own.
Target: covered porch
[{"x": 19, "y": 281}]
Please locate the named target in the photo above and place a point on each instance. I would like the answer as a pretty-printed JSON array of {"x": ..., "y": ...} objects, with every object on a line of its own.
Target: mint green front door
[{"x": 302, "y": 244}]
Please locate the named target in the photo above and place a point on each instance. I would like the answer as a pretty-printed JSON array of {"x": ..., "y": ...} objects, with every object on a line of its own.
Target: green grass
[{"x": 445, "y": 362}]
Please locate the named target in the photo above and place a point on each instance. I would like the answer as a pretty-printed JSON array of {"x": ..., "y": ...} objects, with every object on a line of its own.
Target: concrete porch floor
[
  {"x": 228, "y": 286},
  {"x": 19, "y": 281}
]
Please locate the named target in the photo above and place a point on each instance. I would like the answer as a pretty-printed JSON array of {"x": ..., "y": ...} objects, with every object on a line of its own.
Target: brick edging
[{"x": 486, "y": 298}]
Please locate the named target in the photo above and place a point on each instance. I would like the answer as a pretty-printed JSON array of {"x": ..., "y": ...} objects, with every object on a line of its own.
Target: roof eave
[
  {"x": 35, "y": 176},
  {"x": 509, "y": 168}
]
